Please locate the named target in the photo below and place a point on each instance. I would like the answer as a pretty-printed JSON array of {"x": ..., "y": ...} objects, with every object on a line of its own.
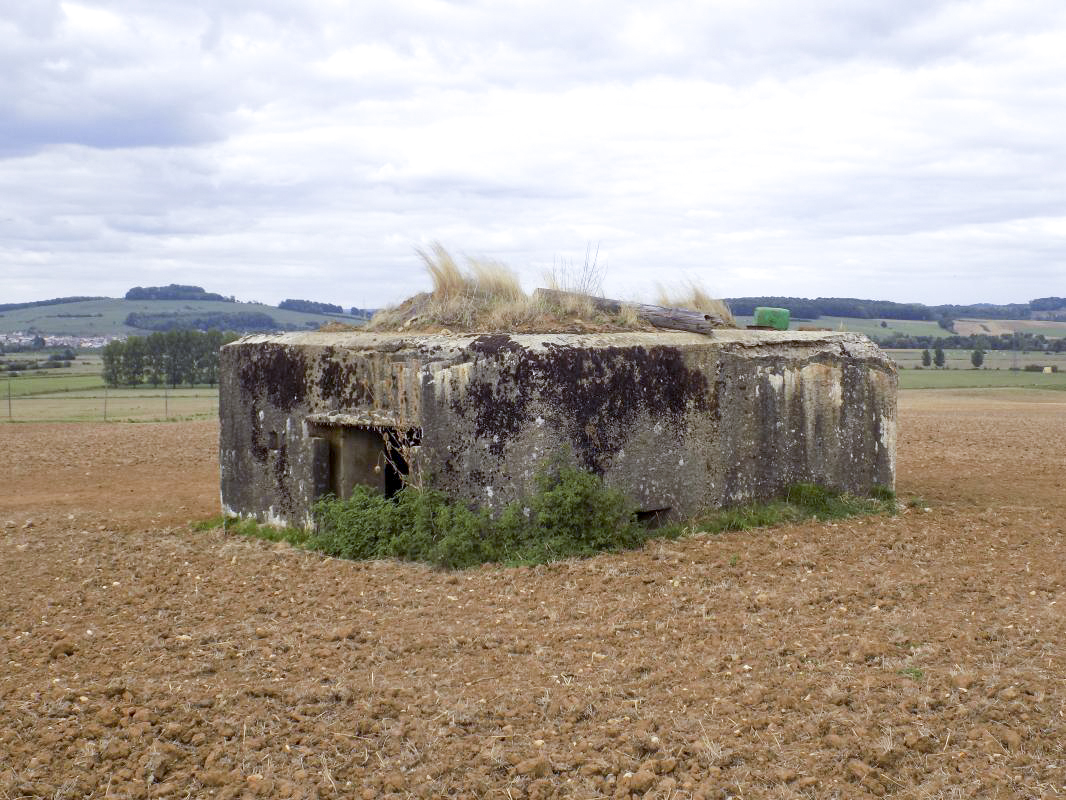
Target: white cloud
[{"x": 907, "y": 151}]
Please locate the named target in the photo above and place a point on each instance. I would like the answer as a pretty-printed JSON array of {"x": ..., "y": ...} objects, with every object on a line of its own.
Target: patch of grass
[
  {"x": 297, "y": 537},
  {"x": 912, "y": 672},
  {"x": 995, "y": 360},
  {"x": 571, "y": 513},
  {"x": 802, "y": 502},
  {"x": 136, "y": 404},
  {"x": 208, "y": 524},
  {"x": 49, "y": 383},
  {"x": 980, "y": 378}
]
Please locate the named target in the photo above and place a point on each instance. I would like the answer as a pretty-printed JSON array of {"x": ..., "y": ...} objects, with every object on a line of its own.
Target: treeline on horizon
[
  {"x": 310, "y": 307},
  {"x": 313, "y": 307},
  {"x": 175, "y": 291},
  {"x": 808, "y": 308},
  {"x": 173, "y": 358},
  {"x": 980, "y": 341}
]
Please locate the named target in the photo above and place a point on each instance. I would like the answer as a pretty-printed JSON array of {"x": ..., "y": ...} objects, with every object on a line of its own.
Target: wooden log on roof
[{"x": 680, "y": 319}]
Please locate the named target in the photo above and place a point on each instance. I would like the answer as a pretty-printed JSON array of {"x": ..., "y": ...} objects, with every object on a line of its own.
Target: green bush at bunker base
[{"x": 572, "y": 513}]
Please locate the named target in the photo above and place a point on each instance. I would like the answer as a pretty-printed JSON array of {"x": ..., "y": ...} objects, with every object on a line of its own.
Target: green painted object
[{"x": 776, "y": 318}]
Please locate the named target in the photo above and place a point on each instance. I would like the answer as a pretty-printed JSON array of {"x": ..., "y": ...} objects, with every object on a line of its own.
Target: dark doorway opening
[
  {"x": 377, "y": 456},
  {"x": 398, "y": 449},
  {"x": 654, "y": 517}
]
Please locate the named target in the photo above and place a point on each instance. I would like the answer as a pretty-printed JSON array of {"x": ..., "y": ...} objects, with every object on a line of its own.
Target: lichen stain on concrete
[
  {"x": 595, "y": 394},
  {"x": 277, "y": 374},
  {"x": 341, "y": 381},
  {"x": 277, "y": 370}
]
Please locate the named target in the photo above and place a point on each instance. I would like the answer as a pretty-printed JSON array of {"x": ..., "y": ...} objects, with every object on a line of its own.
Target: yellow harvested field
[{"x": 997, "y": 327}]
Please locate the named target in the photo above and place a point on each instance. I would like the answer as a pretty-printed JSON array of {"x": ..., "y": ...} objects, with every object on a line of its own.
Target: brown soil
[{"x": 919, "y": 656}]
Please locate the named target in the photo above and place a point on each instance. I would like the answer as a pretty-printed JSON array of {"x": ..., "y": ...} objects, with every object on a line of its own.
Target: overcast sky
[{"x": 911, "y": 150}]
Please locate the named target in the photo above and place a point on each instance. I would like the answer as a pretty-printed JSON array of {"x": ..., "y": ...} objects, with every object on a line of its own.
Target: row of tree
[
  {"x": 310, "y": 307},
  {"x": 938, "y": 358},
  {"x": 808, "y": 308},
  {"x": 54, "y": 361},
  {"x": 1006, "y": 341},
  {"x": 173, "y": 358},
  {"x": 175, "y": 291}
]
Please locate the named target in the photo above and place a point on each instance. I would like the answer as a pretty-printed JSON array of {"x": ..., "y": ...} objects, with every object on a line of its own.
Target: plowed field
[{"x": 919, "y": 656}]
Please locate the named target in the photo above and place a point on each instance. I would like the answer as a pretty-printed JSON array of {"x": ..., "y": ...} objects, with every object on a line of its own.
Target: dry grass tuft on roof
[
  {"x": 486, "y": 297},
  {"x": 692, "y": 295}
]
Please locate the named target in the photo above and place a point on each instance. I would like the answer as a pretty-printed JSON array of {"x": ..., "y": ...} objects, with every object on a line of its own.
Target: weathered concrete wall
[{"x": 678, "y": 421}]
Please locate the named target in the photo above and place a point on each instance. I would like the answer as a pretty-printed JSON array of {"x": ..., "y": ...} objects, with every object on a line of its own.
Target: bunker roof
[{"x": 357, "y": 340}]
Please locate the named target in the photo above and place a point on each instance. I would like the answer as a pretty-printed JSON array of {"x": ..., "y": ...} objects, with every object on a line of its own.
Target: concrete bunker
[{"x": 679, "y": 421}]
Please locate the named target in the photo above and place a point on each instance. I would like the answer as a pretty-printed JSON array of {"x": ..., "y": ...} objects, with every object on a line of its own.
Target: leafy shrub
[
  {"x": 571, "y": 513},
  {"x": 418, "y": 525}
]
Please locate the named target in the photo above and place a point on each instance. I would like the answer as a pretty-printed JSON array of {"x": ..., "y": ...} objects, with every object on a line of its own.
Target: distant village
[{"x": 20, "y": 340}]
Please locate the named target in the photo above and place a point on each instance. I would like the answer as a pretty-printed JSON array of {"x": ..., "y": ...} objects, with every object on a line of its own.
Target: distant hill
[
  {"x": 55, "y": 301},
  {"x": 177, "y": 306},
  {"x": 1047, "y": 308},
  {"x": 174, "y": 291},
  {"x": 122, "y": 317}
]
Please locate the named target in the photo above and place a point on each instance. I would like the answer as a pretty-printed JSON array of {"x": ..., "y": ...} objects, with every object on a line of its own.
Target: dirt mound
[
  {"x": 428, "y": 312},
  {"x": 487, "y": 297},
  {"x": 916, "y": 656}
]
